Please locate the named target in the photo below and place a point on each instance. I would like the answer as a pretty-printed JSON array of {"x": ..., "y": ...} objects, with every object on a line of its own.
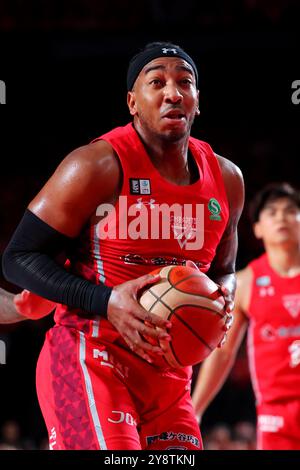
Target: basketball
[{"x": 192, "y": 302}]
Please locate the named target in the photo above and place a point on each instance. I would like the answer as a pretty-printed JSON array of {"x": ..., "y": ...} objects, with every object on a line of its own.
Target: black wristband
[{"x": 28, "y": 262}]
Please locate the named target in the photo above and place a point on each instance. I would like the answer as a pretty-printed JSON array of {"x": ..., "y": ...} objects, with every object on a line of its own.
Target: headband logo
[{"x": 165, "y": 50}]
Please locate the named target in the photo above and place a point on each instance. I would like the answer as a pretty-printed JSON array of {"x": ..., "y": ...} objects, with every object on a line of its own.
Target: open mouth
[{"x": 174, "y": 115}]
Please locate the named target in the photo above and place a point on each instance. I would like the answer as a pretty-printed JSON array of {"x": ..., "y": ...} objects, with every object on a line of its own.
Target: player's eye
[
  {"x": 186, "y": 81},
  {"x": 155, "y": 82}
]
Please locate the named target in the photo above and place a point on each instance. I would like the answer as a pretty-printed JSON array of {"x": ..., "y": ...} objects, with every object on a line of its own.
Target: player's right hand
[
  {"x": 32, "y": 306},
  {"x": 129, "y": 317}
]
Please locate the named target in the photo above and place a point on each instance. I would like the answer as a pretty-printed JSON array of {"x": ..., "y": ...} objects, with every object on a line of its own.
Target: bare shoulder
[
  {"x": 95, "y": 162},
  {"x": 234, "y": 186},
  {"x": 228, "y": 167},
  {"x": 233, "y": 180},
  {"x": 88, "y": 176}
]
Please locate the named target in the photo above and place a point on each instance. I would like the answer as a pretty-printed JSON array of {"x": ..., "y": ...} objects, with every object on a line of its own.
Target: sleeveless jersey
[
  {"x": 153, "y": 223},
  {"x": 274, "y": 333}
]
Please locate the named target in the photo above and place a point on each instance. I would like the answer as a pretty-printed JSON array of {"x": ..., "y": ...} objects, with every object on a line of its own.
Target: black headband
[{"x": 141, "y": 59}]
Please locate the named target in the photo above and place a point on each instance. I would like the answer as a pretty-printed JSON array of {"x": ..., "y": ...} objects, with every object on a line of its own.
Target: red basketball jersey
[
  {"x": 153, "y": 223},
  {"x": 274, "y": 333}
]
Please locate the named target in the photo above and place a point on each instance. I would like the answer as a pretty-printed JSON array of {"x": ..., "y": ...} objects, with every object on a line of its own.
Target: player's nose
[{"x": 172, "y": 93}]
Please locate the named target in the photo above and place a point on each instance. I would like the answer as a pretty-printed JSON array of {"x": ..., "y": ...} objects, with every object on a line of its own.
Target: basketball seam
[
  {"x": 159, "y": 299},
  {"x": 180, "y": 290},
  {"x": 172, "y": 286},
  {"x": 175, "y": 355},
  {"x": 199, "y": 306}
]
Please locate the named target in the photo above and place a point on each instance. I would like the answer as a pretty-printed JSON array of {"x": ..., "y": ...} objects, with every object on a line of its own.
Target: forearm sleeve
[{"x": 28, "y": 262}]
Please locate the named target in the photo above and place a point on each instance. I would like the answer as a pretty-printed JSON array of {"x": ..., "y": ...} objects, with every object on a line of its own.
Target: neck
[
  {"x": 285, "y": 262},
  {"x": 170, "y": 157}
]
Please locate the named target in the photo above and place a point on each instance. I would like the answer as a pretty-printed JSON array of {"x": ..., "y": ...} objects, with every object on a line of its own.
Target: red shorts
[
  {"x": 278, "y": 426},
  {"x": 102, "y": 396}
]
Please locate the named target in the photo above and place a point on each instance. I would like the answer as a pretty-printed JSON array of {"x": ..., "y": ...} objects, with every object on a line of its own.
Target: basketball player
[
  {"x": 268, "y": 300},
  {"x": 100, "y": 384},
  {"x": 22, "y": 306}
]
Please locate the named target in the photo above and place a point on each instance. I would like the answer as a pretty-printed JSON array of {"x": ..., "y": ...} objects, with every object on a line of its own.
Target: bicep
[
  {"x": 227, "y": 248},
  {"x": 61, "y": 202}
]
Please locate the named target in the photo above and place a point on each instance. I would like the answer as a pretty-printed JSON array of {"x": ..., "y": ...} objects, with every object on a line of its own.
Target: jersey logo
[
  {"x": 266, "y": 291},
  {"x": 214, "y": 209},
  {"x": 268, "y": 333},
  {"x": 184, "y": 229},
  {"x": 292, "y": 304},
  {"x": 165, "y": 50},
  {"x": 141, "y": 203},
  {"x": 139, "y": 186},
  {"x": 263, "y": 281}
]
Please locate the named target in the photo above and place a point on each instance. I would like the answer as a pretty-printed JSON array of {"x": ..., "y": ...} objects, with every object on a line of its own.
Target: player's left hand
[{"x": 229, "y": 306}]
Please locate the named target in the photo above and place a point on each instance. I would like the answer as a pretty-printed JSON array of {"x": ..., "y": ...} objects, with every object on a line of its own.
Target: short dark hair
[{"x": 271, "y": 193}]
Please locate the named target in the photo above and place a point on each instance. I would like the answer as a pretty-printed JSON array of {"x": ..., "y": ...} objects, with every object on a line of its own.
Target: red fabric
[
  {"x": 92, "y": 397},
  {"x": 274, "y": 334},
  {"x": 278, "y": 426},
  {"x": 114, "y": 261},
  {"x": 156, "y": 397}
]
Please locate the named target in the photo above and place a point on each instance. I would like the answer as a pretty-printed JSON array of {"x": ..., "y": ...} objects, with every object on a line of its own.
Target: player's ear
[
  {"x": 131, "y": 103},
  {"x": 257, "y": 230},
  {"x": 197, "y": 109}
]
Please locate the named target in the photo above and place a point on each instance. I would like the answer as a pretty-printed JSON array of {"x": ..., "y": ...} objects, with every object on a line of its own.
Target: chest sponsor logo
[
  {"x": 214, "y": 209},
  {"x": 139, "y": 186},
  {"x": 292, "y": 304},
  {"x": 132, "y": 258},
  {"x": 270, "y": 333}
]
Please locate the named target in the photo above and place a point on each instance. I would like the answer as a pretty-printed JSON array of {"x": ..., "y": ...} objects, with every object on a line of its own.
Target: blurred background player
[
  {"x": 268, "y": 301},
  {"x": 100, "y": 384}
]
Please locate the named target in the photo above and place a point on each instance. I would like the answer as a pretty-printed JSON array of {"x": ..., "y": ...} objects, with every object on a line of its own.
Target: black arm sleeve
[{"x": 28, "y": 262}]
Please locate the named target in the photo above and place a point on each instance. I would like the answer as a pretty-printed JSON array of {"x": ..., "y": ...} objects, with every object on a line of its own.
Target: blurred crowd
[
  {"x": 123, "y": 16},
  {"x": 241, "y": 436},
  {"x": 221, "y": 436},
  {"x": 11, "y": 438}
]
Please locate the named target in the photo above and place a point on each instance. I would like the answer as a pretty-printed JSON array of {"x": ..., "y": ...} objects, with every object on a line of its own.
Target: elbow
[
  {"x": 7, "y": 265},
  {"x": 10, "y": 265}
]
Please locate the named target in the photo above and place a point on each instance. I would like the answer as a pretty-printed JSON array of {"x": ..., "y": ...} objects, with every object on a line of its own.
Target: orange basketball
[{"x": 192, "y": 302}]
